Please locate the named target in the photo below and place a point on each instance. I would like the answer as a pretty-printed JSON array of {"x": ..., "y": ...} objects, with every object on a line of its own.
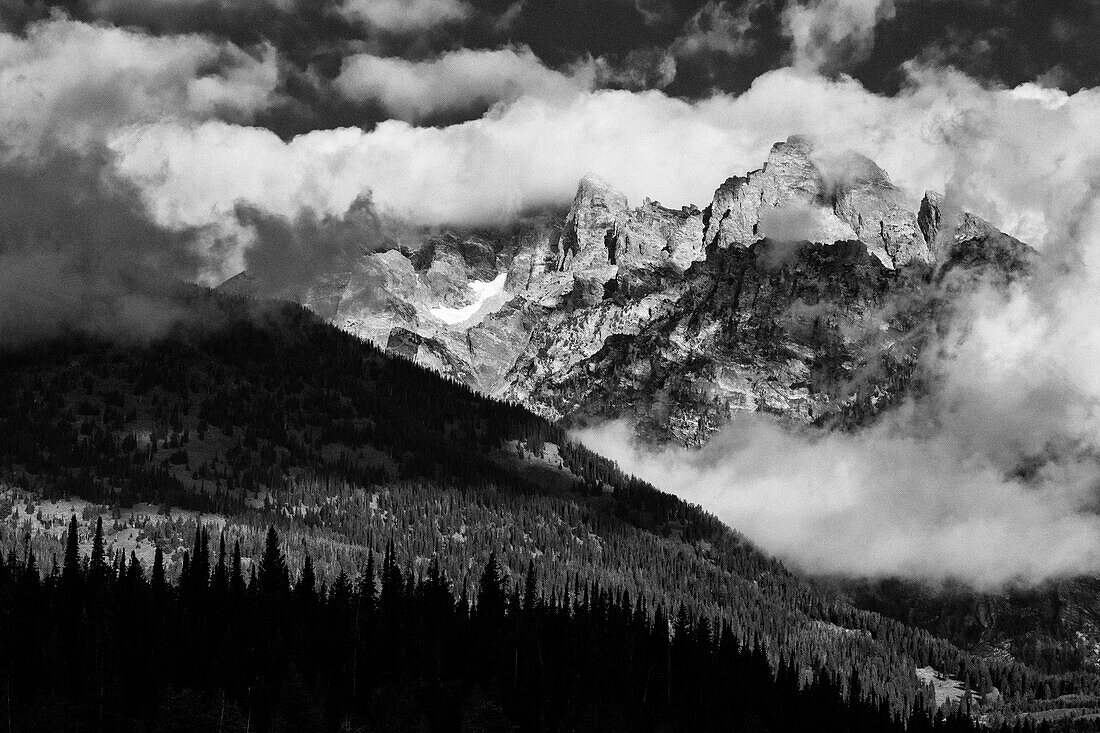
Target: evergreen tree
[
  {"x": 530, "y": 588},
  {"x": 274, "y": 577},
  {"x": 219, "y": 584},
  {"x": 237, "y": 587},
  {"x": 490, "y": 593},
  {"x": 135, "y": 574},
  {"x": 159, "y": 580},
  {"x": 306, "y": 582},
  {"x": 393, "y": 584},
  {"x": 98, "y": 569},
  {"x": 200, "y": 564},
  {"x": 71, "y": 575},
  {"x": 368, "y": 592}
]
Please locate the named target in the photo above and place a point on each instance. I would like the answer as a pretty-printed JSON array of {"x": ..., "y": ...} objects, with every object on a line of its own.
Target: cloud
[
  {"x": 406, "y": 16},
  {"x": 287, "y": 258},
  {"x": 797, "y": 223},
  {"x": 830, "y": 35},
  {"x": 71, "y": 84},
  {"x": 78, "y": 249},
  {"x": 879, "y": 502},
  {"x": 1004, "y": 43},
  {"x": 530, "y": 154},
  {"x": 457, "y": 82},
  {"x": 119, "y": 9},
  {"x": 718, "y": 28},
  {"x": 642, "y": 68},
  {"x": 77, "y": 252},
  {"x": 725, "y": 45},
  {"x": 1001, "y": 153}
]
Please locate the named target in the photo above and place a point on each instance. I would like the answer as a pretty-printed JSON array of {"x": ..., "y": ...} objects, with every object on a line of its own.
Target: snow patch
[{"x": 486, "y": 294}]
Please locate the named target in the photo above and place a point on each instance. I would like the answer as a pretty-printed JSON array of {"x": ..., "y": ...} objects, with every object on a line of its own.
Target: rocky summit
[{"x": 803, "y": 289}]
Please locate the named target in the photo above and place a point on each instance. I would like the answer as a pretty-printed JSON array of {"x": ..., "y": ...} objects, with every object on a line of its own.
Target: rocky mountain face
[{"x": 802, "y": 290}]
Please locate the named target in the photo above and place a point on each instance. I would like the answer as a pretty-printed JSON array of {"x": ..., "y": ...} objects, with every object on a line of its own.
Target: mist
[{"x": 881, "y": 502}]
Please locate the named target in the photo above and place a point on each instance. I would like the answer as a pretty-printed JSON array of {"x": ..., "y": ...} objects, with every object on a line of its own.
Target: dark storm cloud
[{"x": 78, "y": 252}]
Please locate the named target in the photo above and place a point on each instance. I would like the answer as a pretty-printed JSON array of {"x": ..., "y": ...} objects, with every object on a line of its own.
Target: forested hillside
[
  {"x": 258, "y": 414},
  {"x": 100, "y": 647}
]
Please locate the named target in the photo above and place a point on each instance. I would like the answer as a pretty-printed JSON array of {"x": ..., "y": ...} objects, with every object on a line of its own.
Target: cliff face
[{"x": 804, "y": 289}]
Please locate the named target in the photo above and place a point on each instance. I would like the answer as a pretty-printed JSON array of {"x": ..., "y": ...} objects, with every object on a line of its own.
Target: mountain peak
[
  {"x": 596, "y": 209},
  {"x": 838, "y": 197},
  {"x": 593, "y": 185}
]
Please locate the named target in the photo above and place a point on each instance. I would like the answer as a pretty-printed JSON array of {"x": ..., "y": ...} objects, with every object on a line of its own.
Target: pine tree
[
  {"x": 159, "y": 580},
  {"x": 530, "y": 588},
  {"x": 368, "y": 592},
  {"x": 237, "y": 587},
  {"x": 307, "y": 582},
  {"x": 200, "y": 564},
  {"x": 393, "y": 584},
  {"x": 219, "y": 585},
  {"x": 274, "y": 577},
  {"x": 71, "y": 575},
  {"x": 490, "y": 594},
  {"x": 98, "y": 568},
  {"x": 135, "y": 574}
]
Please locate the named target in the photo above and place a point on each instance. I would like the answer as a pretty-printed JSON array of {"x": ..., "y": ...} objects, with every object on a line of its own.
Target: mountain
[
  {"x": 807, "y": 290},
  {"x": 256, "y": 414},
  {"x": 804, "y": 289}
]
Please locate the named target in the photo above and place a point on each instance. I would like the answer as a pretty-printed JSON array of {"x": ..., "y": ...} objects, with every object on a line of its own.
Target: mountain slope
[{"x": 268, "y": 415}]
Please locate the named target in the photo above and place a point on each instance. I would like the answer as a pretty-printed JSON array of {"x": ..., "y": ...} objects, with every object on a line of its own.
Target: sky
[{"x": 144, "y": 142}]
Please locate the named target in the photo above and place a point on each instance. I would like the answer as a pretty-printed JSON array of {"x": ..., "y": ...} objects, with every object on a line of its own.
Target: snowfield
[{"x": 485, "y": 295}]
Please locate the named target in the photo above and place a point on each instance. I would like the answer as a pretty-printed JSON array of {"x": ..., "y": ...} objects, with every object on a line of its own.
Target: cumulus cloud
[
  {"x": 1003, "y": 154},
  {"x": 71, "y": 84},
  {"x": 457, "y": 82},
  {"x": 530, "y": 154},
  {"x": 406, "y": 16}
]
